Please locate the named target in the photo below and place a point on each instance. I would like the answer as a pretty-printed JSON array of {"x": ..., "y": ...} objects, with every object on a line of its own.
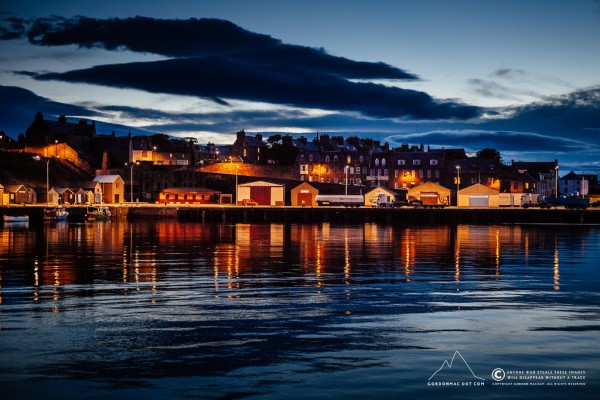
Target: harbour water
[{"x": 172, "y": 310}]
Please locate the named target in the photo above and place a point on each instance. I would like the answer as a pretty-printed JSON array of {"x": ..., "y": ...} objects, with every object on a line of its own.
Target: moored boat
[
  {"x": 15, "y": 218},
  {"x": 55, "y": 214},
  {"x": 97, "y": 213}
]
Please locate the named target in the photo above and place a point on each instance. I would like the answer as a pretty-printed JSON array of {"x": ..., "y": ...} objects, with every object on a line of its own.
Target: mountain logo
[{"x": 457, "y": 366}]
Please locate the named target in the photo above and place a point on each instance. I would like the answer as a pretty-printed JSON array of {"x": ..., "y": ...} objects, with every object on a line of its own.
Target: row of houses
[{"x": 103, "y": 189}]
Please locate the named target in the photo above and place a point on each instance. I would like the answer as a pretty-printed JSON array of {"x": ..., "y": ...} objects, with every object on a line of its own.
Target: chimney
[
  {"x": 258, "y": 136},
  {"x": 62, "y": 119},
  {"x": 105, "y": 160},
  {"x": 39, "y": 117},
  {"x": 241, "y": 135}
]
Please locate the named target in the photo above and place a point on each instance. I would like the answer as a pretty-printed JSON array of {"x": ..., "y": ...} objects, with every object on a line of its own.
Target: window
[
  {"x": 383, "y": 162},
  {"x": 335, "y": 158},
  {"x": 433, "y": 162},
  {"x": 327, "y": 159},
  {"x": 437, "y": 173},
  {"x": 310, "y": 158},
  {"x": 416, "y": 162},
  {"x": 429, "y": 174},
  {"x": 361, "y": 159},
  {"x": 301, "y": 157},
  {"x": 379, "y": 172},
  {"x": 364, "y": 170},
  {"x": 377, "y": 162},
  {"x": 404, "y": 173},
  {"x": 385, "y": 172},
  {"x": 372, "y": 172},
  {"x": 396, "y": 173},
  {"x": 401, "y": 162},
  {"x": 421, "y": 173},
  {"x": 351, "y": 172}
]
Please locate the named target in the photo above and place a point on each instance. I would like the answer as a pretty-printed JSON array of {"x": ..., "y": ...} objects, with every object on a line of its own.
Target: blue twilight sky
[{"x": 520, "y": 76}]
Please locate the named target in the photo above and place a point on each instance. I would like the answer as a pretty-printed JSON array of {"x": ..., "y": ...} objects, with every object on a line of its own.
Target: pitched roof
[
  {"x": 107, "y": 178},
  {"x": 261, "y": 183},
  {"x": 478, "y": 188}
]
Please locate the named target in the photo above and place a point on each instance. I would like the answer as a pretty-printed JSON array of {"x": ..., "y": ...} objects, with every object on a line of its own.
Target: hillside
[{"x": 22, "y": 168}]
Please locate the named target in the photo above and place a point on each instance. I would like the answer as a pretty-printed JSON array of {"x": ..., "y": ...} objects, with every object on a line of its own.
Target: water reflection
[
  {"x": 217, "y": 310},
  {"x": 58, "y": 255}
]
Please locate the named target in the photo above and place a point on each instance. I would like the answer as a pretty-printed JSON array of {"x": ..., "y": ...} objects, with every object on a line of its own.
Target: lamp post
[
  {"x": 556, "y": 181},
  {"x": 48, "y": 182},
  {"x": 237, "y": 167},
  {"x": 131, "y": 178},
  {"x": 457, "y": 182},
  {"x": 56, "y": 147},
  {"x": 346, "y": 171}
]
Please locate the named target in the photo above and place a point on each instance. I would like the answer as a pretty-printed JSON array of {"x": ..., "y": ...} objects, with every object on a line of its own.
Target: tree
[{"x": 489, "y": 154}]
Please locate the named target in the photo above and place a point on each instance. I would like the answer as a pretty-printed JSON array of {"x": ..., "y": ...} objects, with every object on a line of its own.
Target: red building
[{"x": 189, "y": 196}]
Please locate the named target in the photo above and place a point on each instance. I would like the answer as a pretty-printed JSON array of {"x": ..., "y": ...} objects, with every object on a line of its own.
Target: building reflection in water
[{"x": 52, "y": 257}]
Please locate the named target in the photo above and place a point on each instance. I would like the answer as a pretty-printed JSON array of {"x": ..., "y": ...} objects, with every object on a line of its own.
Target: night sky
[{"x": 519, "y": 76}]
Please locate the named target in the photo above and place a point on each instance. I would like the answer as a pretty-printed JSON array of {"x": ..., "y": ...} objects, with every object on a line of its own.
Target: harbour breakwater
[{"x": 339, "y": 215}]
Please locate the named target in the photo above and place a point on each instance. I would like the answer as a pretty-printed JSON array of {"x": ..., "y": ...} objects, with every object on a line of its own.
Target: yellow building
[
  {"x": 430, "y": 193},
  {"x": 478, "y": 195},
  {"x": 304, "y": 195},
  {"x": 112, "y": 189}
]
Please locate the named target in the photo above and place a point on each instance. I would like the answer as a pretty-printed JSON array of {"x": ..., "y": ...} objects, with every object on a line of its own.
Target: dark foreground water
[{"x": 170, "y": 310}]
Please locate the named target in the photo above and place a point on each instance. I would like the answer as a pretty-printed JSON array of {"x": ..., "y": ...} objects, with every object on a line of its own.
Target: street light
[
  {"x": 457, "y": 182},
  {"x": 346, "y": 171},
  {"x": 131, "y": 177},
  {"x": 556, "y": 181},
  {"x": 48, "y": 181},
  {"x": 237, "y": 167}
]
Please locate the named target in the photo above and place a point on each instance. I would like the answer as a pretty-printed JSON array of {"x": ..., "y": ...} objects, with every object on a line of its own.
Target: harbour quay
[
  {"x": 342, "y": 215},
  {"x": 338, "y": 215}
]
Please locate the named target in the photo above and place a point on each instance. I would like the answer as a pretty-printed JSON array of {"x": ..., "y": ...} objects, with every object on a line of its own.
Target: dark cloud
[
  {"x": 500, "y": 140},
  {"x": 576, "y": 115},
  {"x": 12, "y": 28},
  {"x": 199, "y": 37},
  {"x": 218, "y": 60},
  {"x": 292, "y": 85}
]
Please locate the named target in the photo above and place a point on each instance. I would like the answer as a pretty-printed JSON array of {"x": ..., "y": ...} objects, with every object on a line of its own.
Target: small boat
[
  {"x": 55, "y": 214},
  {"x": 16, "y": 218},
  {"x": 97, "y": 213}
]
